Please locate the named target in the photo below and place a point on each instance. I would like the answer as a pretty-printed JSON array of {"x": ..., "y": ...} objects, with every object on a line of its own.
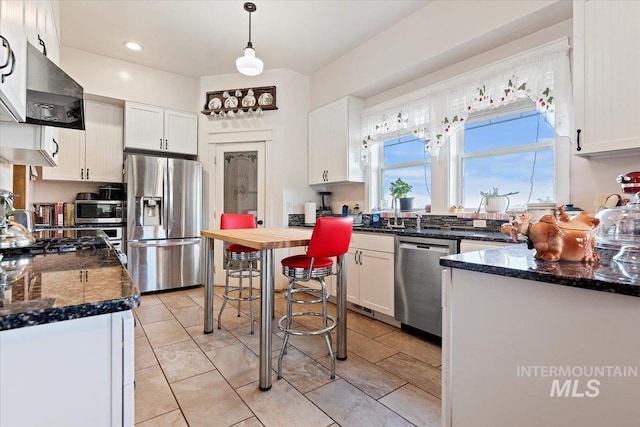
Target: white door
[{"x": 239, "y": 187}]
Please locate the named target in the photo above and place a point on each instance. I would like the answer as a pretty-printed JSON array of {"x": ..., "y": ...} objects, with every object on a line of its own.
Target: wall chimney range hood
[{"x": 53, "y": 98}]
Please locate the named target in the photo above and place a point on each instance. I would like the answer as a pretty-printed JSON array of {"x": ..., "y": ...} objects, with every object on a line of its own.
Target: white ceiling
[{"x": 201, "y": 38}]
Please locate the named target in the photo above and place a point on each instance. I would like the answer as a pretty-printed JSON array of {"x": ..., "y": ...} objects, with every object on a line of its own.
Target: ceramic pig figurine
[{"x": 554, "y": 239}]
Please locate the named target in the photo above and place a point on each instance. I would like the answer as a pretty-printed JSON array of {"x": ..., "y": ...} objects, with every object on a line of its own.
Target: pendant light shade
[{"x": 249, "y": 64}]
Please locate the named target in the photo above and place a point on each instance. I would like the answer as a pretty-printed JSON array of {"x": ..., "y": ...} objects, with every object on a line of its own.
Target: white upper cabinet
[
  {"x": 24, "y": 144},
  {"x": 606, "y": 60},
  {"x": 93, "y": 155},
  {"x": 13, "y": 60},
  {"x": 335, "y": 142},
  {"x": 158, "y": 129},
  {"x": 41, "y": 28},
  {"x": 180, "y": 132}
]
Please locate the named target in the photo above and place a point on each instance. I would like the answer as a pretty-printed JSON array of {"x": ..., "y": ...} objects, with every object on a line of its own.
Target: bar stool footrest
[
  {"x": 289, "y": 296},
  {"x": 322, "y": 331}
]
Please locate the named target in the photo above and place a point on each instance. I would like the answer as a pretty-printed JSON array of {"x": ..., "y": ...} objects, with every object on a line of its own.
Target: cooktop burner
[{"x": 58, "y": 245}]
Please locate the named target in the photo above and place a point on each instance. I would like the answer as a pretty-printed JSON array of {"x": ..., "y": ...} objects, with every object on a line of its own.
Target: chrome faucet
[{"x": 418, "y": 221}]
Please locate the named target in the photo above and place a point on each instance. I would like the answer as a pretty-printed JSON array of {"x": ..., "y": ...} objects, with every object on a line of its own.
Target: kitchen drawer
[{"x": 373, "y": 242}]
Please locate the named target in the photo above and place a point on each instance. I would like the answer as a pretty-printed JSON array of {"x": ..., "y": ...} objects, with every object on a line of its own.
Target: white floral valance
[{"x": 541, "y": 75}]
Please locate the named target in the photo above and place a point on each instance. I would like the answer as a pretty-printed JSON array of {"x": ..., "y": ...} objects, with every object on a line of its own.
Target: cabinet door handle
[
  {"x": 87, "y": 173},
  {"x": 578, "y": 148},
  {"x": 86, "y": 275},
  {"x": 82, "y": 173},
  {"x": 44, "y": 46},
  {"x": 57, "y": 147},
  {"x": 161, "y": 143},
  {"x": 5, "y": 43},
  {"x": 165, "y": 144},
  {"x": 12, "y": 59},
  {"x": 81, "y": 275},
  {"x": 360, "y": 257}
]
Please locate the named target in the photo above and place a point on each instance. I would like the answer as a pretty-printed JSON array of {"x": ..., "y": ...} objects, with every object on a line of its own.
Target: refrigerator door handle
[
  {"x": 169, "y": 190},
  {"x": 164, "y": 243}
]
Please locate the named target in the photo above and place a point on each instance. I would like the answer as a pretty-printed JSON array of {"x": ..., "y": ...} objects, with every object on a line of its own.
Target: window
[
  {"x": 406, "y": 158},
  {"x": 513, "y": 151}
]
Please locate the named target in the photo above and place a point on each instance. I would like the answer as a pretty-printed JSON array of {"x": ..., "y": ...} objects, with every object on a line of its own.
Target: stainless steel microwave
[{"x": 99, "y": 211}]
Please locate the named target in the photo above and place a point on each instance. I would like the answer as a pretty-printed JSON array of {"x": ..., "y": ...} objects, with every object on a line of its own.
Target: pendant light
[{"x": 249, "y": 64}]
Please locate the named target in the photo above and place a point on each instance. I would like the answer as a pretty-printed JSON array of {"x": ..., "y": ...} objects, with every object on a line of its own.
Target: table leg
[
  {"x": 208, "y": 288},
  {"x": 341, "y": 296},
  {"x": 266, "y": 308}
]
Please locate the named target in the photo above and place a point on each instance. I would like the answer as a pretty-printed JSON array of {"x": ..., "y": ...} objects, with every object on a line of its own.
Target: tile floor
[{"x": 187, "y": 378}]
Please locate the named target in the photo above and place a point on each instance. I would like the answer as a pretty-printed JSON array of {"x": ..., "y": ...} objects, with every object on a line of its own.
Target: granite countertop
[
  {"x": 518, "y": 261},
  {"x": 435, "y": 233},
  {"x": 55, "y": 287}
]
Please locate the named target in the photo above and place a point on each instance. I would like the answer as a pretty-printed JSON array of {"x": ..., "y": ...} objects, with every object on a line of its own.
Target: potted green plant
[
  {"x": 399, "y": 190},
  {"x": 494, "y": 201}
]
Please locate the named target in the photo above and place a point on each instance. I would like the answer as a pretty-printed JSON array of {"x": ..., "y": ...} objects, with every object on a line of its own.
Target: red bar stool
[
  {"x": 239, "y": 264},
  {"x": 331, "y": 237}
]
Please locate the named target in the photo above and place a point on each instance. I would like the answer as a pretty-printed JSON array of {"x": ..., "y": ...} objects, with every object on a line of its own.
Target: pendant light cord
[{"x": 249, "y": 44}]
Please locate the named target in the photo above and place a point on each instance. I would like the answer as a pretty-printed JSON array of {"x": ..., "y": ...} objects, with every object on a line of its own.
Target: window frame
[
  {"x": 560, "y": 153},
  {"x": 381, "y": 168}
]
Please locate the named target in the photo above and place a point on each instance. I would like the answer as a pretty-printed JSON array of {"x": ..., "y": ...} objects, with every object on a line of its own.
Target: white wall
[
  {"x": 104, "y": 76},
  {"x": 287, "y": 165}
]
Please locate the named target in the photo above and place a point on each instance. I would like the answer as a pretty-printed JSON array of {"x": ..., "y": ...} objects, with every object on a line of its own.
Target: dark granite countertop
[
  {"x": 518, "y": 261},
  {"x": 42, "y": 289},
  {"x": 434, "y": 233}
]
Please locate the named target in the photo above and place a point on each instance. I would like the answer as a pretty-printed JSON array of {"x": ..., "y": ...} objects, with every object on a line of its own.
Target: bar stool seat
[
  {"x": 239, "y": 264},
  {"x": 331, "y": 237}
]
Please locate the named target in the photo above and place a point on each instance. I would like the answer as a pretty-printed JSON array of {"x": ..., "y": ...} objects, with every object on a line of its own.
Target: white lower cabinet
[
  {"x": 537, "y": 331},
  {"x": 370, "y": 272},
  {"x": 75, "y": 372},
  {"x": 93, "y": 155}
]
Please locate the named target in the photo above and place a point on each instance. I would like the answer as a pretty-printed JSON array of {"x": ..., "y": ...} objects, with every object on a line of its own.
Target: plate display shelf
[{"x": 246, "y": 99}]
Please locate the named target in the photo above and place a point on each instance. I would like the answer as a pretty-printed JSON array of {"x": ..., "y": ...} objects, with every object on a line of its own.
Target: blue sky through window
[
  {"x": 407, "y": 158},
  {"x": 513, "y": 171}
]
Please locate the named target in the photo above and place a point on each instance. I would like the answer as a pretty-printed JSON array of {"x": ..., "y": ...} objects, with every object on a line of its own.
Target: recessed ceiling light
[{"x": 133, "y": 46}]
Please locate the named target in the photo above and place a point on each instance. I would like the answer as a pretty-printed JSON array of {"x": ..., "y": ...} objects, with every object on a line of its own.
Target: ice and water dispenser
[{"x": 149, "y": 211}]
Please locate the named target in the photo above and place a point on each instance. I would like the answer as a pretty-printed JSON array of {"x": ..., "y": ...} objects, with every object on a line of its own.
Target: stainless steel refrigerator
[{"x": 164, "y": 219}]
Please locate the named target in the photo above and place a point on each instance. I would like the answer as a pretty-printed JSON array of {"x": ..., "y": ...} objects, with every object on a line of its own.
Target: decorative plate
[
  {"x": 248, "y": 101},
  {"x": 265, "y": 99},
  {"x": 214, "y": 104},
  {"x": 231, "y": 102}
]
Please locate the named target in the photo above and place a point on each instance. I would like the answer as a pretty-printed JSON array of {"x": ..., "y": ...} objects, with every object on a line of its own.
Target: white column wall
[{"x": 287, "y": 154}]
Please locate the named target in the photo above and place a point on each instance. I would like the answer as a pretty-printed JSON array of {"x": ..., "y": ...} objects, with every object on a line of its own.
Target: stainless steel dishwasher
[{"x": 418, "y": 279}]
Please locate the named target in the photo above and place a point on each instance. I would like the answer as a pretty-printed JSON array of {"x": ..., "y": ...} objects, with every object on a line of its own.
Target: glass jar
[{"x": 619, "y": 226}]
